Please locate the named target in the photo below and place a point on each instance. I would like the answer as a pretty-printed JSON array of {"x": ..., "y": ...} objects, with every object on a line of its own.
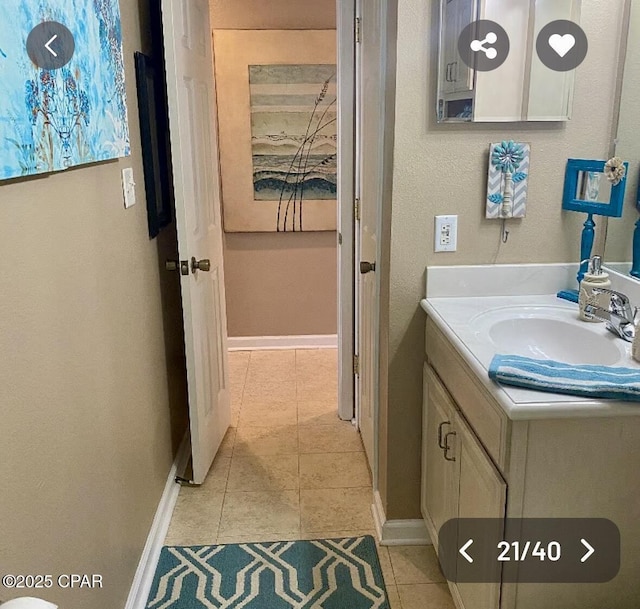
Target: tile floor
[{"x": 290, "y": 469}]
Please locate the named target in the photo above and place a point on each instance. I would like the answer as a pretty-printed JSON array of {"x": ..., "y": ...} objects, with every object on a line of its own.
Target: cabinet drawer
[{"x": 489, "y": 423}]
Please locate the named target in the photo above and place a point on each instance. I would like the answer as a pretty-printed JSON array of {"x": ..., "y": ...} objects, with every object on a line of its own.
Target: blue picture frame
[{"x": 612, "y": 209}]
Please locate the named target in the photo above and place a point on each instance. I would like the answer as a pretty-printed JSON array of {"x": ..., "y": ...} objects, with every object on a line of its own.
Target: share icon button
[{"x": 484, "y": 45}]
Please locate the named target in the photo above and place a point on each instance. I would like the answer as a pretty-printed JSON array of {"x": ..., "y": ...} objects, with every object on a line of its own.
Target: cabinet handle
[
  {"x": 447, "y": 447},
  {"x": 440, "y": 444},
  {"x": 454, "y": 75}
]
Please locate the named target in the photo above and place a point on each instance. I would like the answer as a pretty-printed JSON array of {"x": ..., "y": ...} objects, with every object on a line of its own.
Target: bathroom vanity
[{"x": 492, "y": 451}]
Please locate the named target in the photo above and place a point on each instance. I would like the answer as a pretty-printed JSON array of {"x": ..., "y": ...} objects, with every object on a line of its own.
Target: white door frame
[
  {"x": 346, "y": 13},
  {"x": 347, "y": 257}
]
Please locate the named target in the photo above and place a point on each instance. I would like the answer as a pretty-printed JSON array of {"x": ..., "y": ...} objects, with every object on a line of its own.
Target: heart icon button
[{"x": 562, "y": 44}]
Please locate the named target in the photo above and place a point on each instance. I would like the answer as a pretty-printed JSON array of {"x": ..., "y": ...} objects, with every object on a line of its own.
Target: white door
[
  {"x": 191, "y": 94},
  {"x": 370, "y": 120}
]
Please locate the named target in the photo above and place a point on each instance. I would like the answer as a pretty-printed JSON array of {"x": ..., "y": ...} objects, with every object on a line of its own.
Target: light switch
[{"x": 128, "y": 187}]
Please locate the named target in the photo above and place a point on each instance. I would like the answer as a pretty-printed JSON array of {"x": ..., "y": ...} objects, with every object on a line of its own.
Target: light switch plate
[{"x": 128, "y": 187}]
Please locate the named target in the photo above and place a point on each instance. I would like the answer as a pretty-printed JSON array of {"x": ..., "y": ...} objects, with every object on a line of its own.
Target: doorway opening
[
  {"x": 277, "y": 78},
  {"x": 244, "y": 150}
]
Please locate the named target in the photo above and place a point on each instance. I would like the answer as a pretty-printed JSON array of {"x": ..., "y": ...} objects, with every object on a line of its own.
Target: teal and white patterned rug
[{"x": 322, "y": 574}]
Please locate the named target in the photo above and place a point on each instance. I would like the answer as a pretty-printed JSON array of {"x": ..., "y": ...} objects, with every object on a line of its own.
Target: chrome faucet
[{"x": 621, "y": 318}]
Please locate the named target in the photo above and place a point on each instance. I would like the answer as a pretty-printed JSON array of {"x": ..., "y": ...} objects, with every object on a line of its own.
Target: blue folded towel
[{"x": 556, "y": 377}]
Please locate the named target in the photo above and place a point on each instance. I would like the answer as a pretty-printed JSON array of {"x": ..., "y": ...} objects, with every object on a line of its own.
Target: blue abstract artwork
[
  {"x": 294, "y": 137},
  {"x": 53, "y": 119}
]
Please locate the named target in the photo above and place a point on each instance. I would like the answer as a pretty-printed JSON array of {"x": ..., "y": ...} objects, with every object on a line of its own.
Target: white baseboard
[
  {"x": 259, "y": 343},
  {"x": 146, "y": 570},
  {"x": 398, "y": 532}
]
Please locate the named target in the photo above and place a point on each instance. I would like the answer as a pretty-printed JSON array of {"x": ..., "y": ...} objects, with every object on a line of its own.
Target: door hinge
[
  {"x": 356, "y": 365},
  {"x": 339, "y": 238},
  {"x": 356, "y": 210},
  {"x": 358, "y": 31}
]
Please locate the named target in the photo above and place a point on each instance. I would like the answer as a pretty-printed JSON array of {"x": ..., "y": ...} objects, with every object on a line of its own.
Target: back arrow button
[
  {"x": 463, "y": 551},
  {"x": 50, "y": 45}
]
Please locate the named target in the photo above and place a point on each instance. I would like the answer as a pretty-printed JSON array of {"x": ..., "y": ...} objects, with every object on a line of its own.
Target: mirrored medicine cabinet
[
  {"x": 618, "y": 253},
  {"x": 522, "y": 88}
]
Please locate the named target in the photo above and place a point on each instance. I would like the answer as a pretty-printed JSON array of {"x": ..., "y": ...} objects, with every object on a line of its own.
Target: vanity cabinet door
[
  {"x": 456, "y": 76},
  {"x": 449, "y": 46},
  {"x": 462, "y": 75},
  {"x": 482, "y": 494},
  {"x": 439, "y": 476}
]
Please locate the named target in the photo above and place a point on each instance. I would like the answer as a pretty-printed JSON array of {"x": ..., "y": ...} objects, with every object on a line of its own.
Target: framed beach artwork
[
  {"x": 63, "y": 99},
  {"x": 277, "y": 116}
]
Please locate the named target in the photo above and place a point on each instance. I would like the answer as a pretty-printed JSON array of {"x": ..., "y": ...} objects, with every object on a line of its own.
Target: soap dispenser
[{"x": 595, "y": 278}]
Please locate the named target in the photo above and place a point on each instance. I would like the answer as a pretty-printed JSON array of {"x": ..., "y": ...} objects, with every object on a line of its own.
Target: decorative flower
[
  {"x": 507, "y": 156},
  {"x": 615, "y": 170}
]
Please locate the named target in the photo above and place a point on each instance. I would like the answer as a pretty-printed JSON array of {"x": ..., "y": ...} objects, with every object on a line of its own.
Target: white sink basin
[
  {"x": 552, "y": 339},
  {"x": 552, "y": 333}
]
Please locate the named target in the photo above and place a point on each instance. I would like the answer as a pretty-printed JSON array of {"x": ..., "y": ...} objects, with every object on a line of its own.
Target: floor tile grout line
[
  {"x": 224, "y": 499},
  {"x": 295, "y": 372},
  {"x": 333, "y": 488},
  {"x": 244, "y": 381},
  {"x": 226, "y": 484},
  {"x": 233, "y": 447},
  {"x": 298, "y": 455}
]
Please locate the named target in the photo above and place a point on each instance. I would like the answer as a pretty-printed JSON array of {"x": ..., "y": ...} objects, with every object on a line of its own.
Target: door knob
[
  {"x": 200, "y": 265},
  {"x": 367, "y": 267},
  {"x": 174, "y": 265}
]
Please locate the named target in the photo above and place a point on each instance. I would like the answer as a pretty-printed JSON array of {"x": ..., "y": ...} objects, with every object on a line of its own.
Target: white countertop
[{"x": 460, "y": 300}]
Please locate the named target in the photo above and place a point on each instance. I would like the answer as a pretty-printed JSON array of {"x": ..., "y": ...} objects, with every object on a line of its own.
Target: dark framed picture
[{"x": 155, "y": 143}]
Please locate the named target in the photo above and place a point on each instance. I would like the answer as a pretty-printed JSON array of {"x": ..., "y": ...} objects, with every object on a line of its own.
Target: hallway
[{"x": 290, "y": 469}]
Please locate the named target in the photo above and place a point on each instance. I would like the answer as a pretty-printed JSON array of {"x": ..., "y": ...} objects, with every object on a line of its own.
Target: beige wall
[
  {"x": 273, "y": 14},
  {"x": 277, "y": 284},
  {"x": 442, "y": 169},
  {"x": 86, "y": 437},
  {"x": 281, "y": 284}
]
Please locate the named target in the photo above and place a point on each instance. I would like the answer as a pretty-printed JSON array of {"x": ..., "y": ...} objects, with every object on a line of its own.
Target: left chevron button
[
  {"x": 463, "y": 551},
  {"x": 50, "y": 45}
]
